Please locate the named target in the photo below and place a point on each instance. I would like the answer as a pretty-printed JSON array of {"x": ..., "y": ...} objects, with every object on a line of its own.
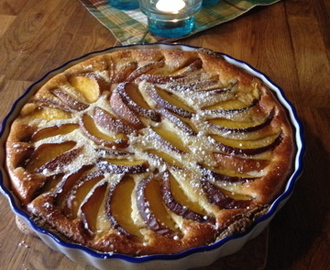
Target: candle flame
[{"x": 170, "y": 5}]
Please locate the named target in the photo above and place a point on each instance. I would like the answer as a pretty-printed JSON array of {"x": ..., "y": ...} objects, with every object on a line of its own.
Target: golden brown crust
[{"x": 150, "y": 151}]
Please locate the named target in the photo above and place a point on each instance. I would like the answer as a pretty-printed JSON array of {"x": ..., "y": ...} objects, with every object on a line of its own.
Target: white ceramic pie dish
[{"x": 196, "y": 257}]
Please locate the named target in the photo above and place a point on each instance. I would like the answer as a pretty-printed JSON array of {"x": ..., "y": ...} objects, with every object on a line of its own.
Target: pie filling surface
[{"x": 149, "y": 151}]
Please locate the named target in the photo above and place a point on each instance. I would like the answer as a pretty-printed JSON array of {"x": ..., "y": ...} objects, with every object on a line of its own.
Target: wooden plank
[
  {"x": 5, "y": 22},
  {"x": 38, "y": 30},
  {"x": 11, "y": 7},
  {"x": 310, "y": 52}
]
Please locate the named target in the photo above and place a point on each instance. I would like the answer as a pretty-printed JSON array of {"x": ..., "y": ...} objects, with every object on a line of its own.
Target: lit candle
[
  {"x": 173, "y": 6},
  {"x": 170, "y": 18}
]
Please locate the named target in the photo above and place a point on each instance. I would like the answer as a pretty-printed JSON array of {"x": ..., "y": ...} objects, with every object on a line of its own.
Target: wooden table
[{"x": 289, "y": 41}]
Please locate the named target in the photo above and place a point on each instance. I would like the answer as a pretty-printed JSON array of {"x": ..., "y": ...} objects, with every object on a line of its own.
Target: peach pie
[{"x": 149, "y": 151}]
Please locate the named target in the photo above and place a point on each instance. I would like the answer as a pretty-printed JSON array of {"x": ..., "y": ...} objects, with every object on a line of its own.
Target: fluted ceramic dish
[{"x": 192, "y": 258}]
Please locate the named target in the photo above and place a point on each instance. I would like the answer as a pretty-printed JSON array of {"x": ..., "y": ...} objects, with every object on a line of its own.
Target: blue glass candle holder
[
  {"x": 124, "y": 4},
  {"x": 170, "y": 29},
  {"x": 170, "y": 18},
  {"x": 207, "y": 3}
]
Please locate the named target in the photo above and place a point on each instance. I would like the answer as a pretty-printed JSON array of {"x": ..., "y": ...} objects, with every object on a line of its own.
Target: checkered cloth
[{"x": 131, "y": 27}]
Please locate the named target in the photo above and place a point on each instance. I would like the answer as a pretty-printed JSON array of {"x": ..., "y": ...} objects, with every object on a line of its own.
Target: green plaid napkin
[{"x": 130, "y": 27}]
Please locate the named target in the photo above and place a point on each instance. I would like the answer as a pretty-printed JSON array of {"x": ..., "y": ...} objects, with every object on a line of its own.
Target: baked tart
[{"x": 150, "y": 151}]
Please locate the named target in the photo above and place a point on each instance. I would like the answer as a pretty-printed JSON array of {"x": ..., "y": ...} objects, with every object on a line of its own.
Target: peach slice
[
  {"x": 164, "y": 157},
  {"x": 132, "y": 96},
  {"x": 69, "y": 100},
  {"x": 125, "y": 71},
  {"x": 109, "y": 122},
  {"x": 236, "y": 196},
  {"x": 87, "y": 86},
  {"x": 19, "y": 153},
  {"x": 48, "y": 155},
  {"x": 230, "y": 106},
  {"x": 216, "y": 174},
  {"x": 209, "y": 90},
  {"x": 152, "y": 210},
  {"x": 248, "y": 147},
  {"x": 90, "y": 129},
  {"x": 103, "y": 84},
  {"x": 167, "y": 100},
  {"x": 197, "y": 86},
  {"x": 61, "y": 160},
  {"x": 80, "y": 191},
  {"x": 243, "y": 165},
  {"x": 38, "y": 104},
  {"x": 218, "y": 197},
  {"x": 177, "y": 75},
  {"x": 176, "y": 201},
  {"x": 50, "y": 113},
  {"x": 119, "y": 166},
  {"x": 53, "y": 131},
  {"x": 170, "y": 140},
  {"x": 90, "y": 208},
  {"x": 51, "y": 183},
  {"x": 109, "y": 152},
  {"x": 159, "y": 79},
  {"x": 193, "y": 66},
  {"x": 234, "y": 126},
  {"x": 122, "y": 110},
  {"x": 119, "y": 207},
  {"x": 145, "y": 69},
  {"x": 181, "y": 123},
  {"x": 68, "y": 182}
]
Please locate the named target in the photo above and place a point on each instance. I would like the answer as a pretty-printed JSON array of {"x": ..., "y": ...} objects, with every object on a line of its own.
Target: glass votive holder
[
  {"x": 170, "y": 18},
  {"x": 207, "y": 3},
  {"x": 124, "y": 4}
]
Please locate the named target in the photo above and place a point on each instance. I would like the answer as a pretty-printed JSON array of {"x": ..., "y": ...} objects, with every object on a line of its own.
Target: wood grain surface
[{"x": 289, "y": 41}]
